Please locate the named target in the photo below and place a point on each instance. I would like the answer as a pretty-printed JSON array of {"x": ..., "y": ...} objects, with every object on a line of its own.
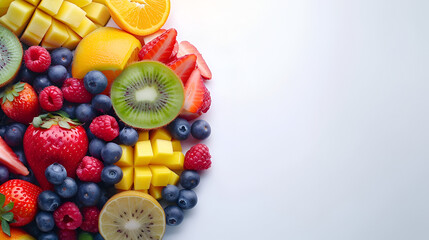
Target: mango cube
[
  {"x": 11, "y": 26},
  {"x": 32, "y": 2},
  {"x": 85, "y": 27},
  {"x": 177, "y": 147},
  {"x": 3, "y": 11},
  {"x": 155, "y": 192},
  {"x": 143, "y": 135},
  {"x": 80, "y": 3},
  {"x": 176, "y": 161},
  {"x": 30, "y": 39},
  {"x": 97, "y": 12},
  {"x": 174, "y": 178},
  {"x": 160, "y": 175},
  {"x": 5, "y": 3},
  {"x": 19, "y": 14},
  {"x": 51, "y": 7},
  {"x": 73, "y": 39},
  {"x": 100, "y": 1},
  {"x": 70, "y": 14},
  {"x": 39, "y": 24},
  {"x": 48, "y": 46},
  {"x": 127, "y": 180},
  {"x": 162, "y": 151},
  {"x": 143, "y": 153},
  {"x": 142, "y": 178},
  {"x": 143, "y": 190},
  {"x": 57, "y": 34},
  {"x": 160, "y": 133},
  {"x": 127, "y": 158}
]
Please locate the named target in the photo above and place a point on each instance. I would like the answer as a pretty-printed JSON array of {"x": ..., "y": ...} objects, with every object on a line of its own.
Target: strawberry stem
[{"x": 5, "y": 215}]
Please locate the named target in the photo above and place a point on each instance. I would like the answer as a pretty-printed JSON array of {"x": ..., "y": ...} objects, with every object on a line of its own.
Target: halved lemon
[
  {"x": 132, "y": 215},
  {"x": 139, "y": 17}
]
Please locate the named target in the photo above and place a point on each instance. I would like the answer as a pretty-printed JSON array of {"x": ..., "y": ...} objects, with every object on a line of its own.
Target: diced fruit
[
  {"x": 18, "y": 14},
  {"x": 155, "y": 192},
  {"x": 142, "y": 178},
  {"x": 127, "y": 157},
  {"x": 37, "y": 28},
  {"x": 57, "y": 34},
  {"x": 174, "y": 178},
  {"x": 127, "y": 179},
  {"x": 33, "y": 2},
  {"x": 143, "y": 135},
  {"x": 80, "y": 3},
  {"x": 177, "y": 147},
  {"x": 176, "y": 161},
  {"x": 70, "y": 14},
  {"x": 185, "y": 48},
  {"x": 184, "y": 66},
  {"x": 85, "y": 27},
  {"x": 143, "y": 153},
  {"x": 51, "y": 7},
  {"x": 160, "y": 133},
  {"x": 160, "y": 175},
  {"x": 73, "y": 39},
  {"x": 194, "y": 92},
  {"x": 150, "y": 37},
  {"x": 160, "y": 48},
  {"x": 162, "y": 151},
  {"x": 97, "y": 12},
  {"x": 5, "y": 3}
]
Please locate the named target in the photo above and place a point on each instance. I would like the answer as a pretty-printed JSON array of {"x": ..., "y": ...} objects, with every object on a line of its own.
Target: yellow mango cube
[
  {"x": 127, "y": 180},
  {"x": 51, "y": 7},
  {"x": 162, "y": 151},
  {"x": 127, "y": 158},
  {"x": 48, "y": 46},
  {"x": 80, "y": 3},
  {"x": 17, "y": 30},
  {"x": 57, "y": 34},
  {"x": 176, "y": 161},
  {"x": 143, "y": 190},
  {"x": 143, "y": 153},
  {"x": 73, "y": 39},
  {"x": 174, "y": 178},
  {"x": 156, "y": 192},
  {"x": 100, "y": 1},
  {"x": 32, "y": 2},
  {"x": 19, "y": 14},
  {"x": 39, "y": 24},
  {"x": 97, "y": 12},
  {"x": 160, "y": 175},
  {"x": 177, "y": 146},
  {"x": 3, "y": 11},
  {"x": 143, "y": 135},
  {"x": 160, "y": 133},
  {"x": 142, "y": 178},
  {"x": 5, "y": 3},
  {"x": 85, "y": 27},
  {"x": 30, "y": 39},
  {"x": 70, "y": 14}
]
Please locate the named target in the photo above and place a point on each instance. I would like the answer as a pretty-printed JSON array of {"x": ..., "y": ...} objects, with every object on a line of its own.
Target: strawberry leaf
[
  {"x": 63, "y": 114},
  {"x": 64, "y": 124},
  {"x": 7, "y": 216},
  {"x": 2, "y": 199},
  {"x": 5, "y": 227},
  {"x": 8, "y": 207},
  {"x": 37, "y": 121},
  {"x": 48, "y": 124}
]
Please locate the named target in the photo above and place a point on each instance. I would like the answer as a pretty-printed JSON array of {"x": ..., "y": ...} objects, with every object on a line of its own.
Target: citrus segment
[{"x": 140, "y": 17}]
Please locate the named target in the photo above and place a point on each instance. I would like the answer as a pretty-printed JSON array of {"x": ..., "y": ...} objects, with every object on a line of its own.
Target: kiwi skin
[{"x": 20, "y": 61}]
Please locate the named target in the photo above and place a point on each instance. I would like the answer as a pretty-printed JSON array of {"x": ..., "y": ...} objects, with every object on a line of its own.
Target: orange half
[{"x": 139, "y": 17}]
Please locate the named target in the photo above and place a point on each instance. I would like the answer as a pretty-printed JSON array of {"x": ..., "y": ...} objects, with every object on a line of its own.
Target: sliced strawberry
[
  {"x": 203, "y": 109},
  {"x": 152, "y": 36},
  {"x": 194, "y": 93},
  {"x": 184, "y": 66},
  {"x": 10, "y": 160},
  {"x": 160, "y": 48},
  {"x": 187, "y": 48}
]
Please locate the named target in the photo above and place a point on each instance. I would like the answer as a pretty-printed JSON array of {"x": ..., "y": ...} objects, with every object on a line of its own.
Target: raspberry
[
  {"x": 51, "y": 99},
  {"x": 74, "y": 91},
  {"x": 90, "y": 219},
  {"x": 89, "y": 169},
  {"x": 198, "y": 158},
  {"x": 64, "y": 234},
  {"x": 206, "y": 102},
  {"x": 37, "y": 59},
  {"x": 105, "y": 127},
  {"x": 67, "y": 216}
]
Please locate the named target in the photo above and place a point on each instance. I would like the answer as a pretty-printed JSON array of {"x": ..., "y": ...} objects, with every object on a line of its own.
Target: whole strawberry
[
  {"x": 20, "y": 102},
  {"x": 53, "y": 138},
  {"x": 24, "y": 195}
]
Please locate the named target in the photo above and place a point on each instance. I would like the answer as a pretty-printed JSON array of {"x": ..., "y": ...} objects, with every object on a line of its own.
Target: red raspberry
[
  {"x": 65, "y": 234},
  {"x": 74, "y": 91},
  {"x": 90, "y": 219},
  {"x": 37, "y": 59},
  {"x": 206, "y": 102},
  {"x": 89, "y": 169},
  {"x": 51, "y": 99},
  {"x": 198, "y": 158},
  {"x": 68, "y": 216},
  {"x": 105, "y": 127}
]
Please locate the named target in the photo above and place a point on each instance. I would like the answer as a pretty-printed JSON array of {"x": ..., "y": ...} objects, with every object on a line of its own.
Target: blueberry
[
  {"x": 55, "y": 173},
  {"x": 106, "y": 193},
  {"x": 67, "y": 189},
  {"x": 45, "y": 221},
  {"x": 48, "y": 236},
  {"x": 40, "y": 82},
  {"x": 102, "y": 103},
  {"x": 111, "y": 174},
  {"x": 48, "y": 201},
  {"x": 85, "y": 113},
  {"x": 62, "y": 56},
  {"x": 70, "y": 109},
  {"x": 32, "y": 229},
  {"x": 170, "y": 193},
  {"x": 2, "y": 130},
  {"x": 89, "y": 134},
  {"x": 111, "y": 153},
  {"x": 128, "y": 136},
  {"x": 21, "y": 126},
  {"x": 189, "y": 179},
  {"x": 4, "y": 174},
  {"x": 89, "y": 194},
  {"x": 13, "y": 136},
  {"x": 21, "y": 156},
  {"x": 95, "y": 147},
  {"x": 173, "y": 215},
  {"x": 179, "y": 129},
  {"x": 200, "y": 129},
  {"x": 84, "y": 236},
  {"x": 57, "y": 74},
  {"x": 98, "y": 237},
  {"x": 26, "y": 75},
  {"x": 95, "y": 82},
  {"x": 187, "y": 199}
]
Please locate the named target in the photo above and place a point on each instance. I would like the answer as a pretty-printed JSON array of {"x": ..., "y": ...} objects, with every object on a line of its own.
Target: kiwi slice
[
  {"x": 147, "y": 95},
  {"x": 10, "y": 56}
]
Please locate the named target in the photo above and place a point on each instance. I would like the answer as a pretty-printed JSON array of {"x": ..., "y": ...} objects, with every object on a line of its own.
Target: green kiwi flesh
[
  {"x": 10, "y": 56},
  {"x": 147, "y": 95}
]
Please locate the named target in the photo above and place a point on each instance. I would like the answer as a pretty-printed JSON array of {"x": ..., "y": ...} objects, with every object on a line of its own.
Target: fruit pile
[{"x": 91, "y": 140}]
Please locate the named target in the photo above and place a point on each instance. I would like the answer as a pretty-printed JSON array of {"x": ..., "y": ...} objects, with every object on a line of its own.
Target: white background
[{"x": 320, "y": 119}]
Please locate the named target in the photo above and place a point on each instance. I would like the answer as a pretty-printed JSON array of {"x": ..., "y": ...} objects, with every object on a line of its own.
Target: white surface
[{"x": 320, "y": 119}]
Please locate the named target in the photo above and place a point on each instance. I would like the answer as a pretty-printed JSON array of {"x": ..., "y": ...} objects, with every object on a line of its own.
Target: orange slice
[{"x": 140, "y": 17}]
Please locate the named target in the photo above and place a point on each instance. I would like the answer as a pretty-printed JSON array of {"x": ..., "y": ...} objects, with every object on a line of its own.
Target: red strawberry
[
  {"x": 187, "y": 48},
  {"x": 194, "y": 95},
  {"x": 160, "y": 48},
  {"x": 9, "y": 159},
  {"x": 184, "y": 66},
  {"x": 20, "y": 102},
  {"x": 24, "y": 195},
  {"x": 53, "y": 139}
]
